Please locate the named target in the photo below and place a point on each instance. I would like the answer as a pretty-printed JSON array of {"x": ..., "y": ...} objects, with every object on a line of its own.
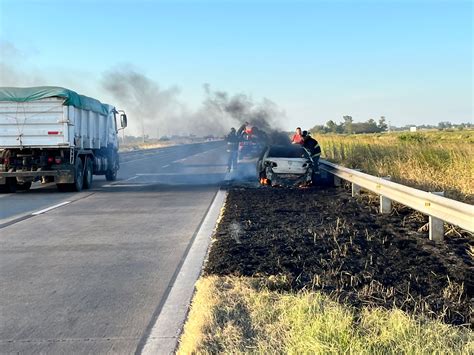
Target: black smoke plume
[{"x": 159, "y": 110}]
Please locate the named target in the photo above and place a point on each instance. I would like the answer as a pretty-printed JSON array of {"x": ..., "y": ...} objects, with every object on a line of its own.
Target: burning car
[{"x": 286, "y": 165}]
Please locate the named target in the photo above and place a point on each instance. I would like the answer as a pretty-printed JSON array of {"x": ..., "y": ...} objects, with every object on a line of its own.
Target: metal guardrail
[{"x": 438, "y": 208}]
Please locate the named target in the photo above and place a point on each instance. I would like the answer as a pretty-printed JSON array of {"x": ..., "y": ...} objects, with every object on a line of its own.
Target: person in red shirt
[{"x": 297, "y": 137}]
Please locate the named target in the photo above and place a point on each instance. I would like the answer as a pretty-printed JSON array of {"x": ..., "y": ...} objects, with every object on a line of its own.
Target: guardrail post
[
  {"x": 337, "y": 181},
  {"x": 436, "y": 225},
  {"x": 355, "y": 188},
  {"x": 385, "y": 203}
]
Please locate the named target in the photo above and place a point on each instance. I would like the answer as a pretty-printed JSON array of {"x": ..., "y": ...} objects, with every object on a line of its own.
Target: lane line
[
  {"x": 162, "y": 333},
  {"x": 51, "y": 208},
  {"x": 19, "y": 218},
  {"x": 165, "y": 166},
  {"x": 129, "y": 185}
]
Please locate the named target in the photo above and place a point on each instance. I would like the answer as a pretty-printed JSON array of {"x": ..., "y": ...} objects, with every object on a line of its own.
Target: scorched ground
[{"x": 323, "y": 239}]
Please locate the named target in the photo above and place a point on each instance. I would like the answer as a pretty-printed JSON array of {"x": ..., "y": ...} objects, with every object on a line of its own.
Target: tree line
[{"x": 348, "y": 126}]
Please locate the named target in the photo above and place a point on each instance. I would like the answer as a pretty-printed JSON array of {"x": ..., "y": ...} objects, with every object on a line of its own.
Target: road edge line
[
  {"x": 163, "y": 335},
  {"x": 44, "y": 210}
]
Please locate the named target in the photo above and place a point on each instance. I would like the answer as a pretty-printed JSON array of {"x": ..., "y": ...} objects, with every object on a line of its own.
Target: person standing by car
[
  {"x": 297, "y": 137},
  {"x": 232, "y": 147},
  {"x": 312, "y": 147}
]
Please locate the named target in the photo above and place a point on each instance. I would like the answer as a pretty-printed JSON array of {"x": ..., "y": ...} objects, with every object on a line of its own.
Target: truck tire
[
  {"x": 113, "y": 161},
  {"x": 111, "y": 175},
  {"x": 88, "y": 174},
  {"x": 78, "y": 178}
]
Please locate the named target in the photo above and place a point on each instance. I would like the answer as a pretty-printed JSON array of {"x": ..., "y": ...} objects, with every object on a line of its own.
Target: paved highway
[{"x": 89, "y": 276}]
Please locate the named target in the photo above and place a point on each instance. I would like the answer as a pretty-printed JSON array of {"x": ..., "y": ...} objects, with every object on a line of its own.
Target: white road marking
[
  {"x": 158, "y": 174},
  {"x": 51, "y": 208},
  {"x": 128, "y": 185},
  {"x": 165, "y": 166},
  {"x": 165, "y": 333}
]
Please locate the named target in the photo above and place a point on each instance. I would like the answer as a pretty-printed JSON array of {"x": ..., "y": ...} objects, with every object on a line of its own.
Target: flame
[{"x": 264, "y": 181}]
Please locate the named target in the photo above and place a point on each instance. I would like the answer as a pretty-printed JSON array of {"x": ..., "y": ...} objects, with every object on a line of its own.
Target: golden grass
[
  {"x": 430, "y": 161},
  {"x": 136, "y": 146},
  {"x": 243, "y": 315}
]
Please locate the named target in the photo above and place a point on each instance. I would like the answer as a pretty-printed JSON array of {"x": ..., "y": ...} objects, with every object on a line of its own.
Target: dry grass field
[{"x": 432, "y": 161}]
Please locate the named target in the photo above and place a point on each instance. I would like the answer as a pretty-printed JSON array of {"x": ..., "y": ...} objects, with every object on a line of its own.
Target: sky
[{"x": 410, "y": 61}]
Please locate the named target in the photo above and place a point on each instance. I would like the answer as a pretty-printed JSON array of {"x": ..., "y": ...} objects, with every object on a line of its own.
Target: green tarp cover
[{"x": 72, "y": 98}]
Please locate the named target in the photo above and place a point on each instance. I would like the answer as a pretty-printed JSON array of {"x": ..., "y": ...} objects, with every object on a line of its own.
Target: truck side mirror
[{"x": 123, "y": 120}]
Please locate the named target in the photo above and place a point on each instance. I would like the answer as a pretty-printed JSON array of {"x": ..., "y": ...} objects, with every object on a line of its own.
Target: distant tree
[
  {"x": 347, "y": 124},
  {"x": 444, "y": 125},
  {"x": 319, "y": 129},
  {"x": 332, "y": 126},
  {"x": 382, "y": 124},
  {"x": 369, "y": 126}
]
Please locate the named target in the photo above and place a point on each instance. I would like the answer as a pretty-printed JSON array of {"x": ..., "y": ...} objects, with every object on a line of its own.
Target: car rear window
[{"x": 289, "y": 151}]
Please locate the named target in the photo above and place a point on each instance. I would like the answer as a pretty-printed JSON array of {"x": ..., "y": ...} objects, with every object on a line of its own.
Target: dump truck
[{"x": 53, "y": 134}]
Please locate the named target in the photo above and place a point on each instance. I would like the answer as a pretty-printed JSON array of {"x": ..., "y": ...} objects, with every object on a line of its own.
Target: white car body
[{"x": 285, "y": 165}]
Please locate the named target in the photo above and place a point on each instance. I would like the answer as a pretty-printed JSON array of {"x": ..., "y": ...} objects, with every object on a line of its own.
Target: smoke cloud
[{"x": 161, "y": 111}]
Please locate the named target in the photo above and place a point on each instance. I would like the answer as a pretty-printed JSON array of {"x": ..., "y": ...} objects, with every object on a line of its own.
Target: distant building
[{"x": 413, "y": 129}]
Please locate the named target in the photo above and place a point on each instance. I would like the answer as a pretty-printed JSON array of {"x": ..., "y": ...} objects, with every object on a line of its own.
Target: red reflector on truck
[{"x": 54, "y": 132}]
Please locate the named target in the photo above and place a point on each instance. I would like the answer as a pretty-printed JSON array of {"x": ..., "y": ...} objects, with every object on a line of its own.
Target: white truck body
[
  {"x": 47, "y": 123},
  {"x": 54, "y": 134}
]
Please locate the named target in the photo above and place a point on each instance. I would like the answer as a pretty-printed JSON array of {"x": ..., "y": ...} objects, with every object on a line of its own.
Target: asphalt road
[{"x": 87, "y": 276}]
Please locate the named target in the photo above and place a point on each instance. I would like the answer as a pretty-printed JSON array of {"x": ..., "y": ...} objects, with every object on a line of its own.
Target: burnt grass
[{"x": 323, "y": 239}]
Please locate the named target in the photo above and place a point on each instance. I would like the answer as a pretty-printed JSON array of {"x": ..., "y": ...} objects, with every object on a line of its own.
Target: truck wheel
[
  {"x": 78, "y": 183},
  {"x": 88, "y": 174},
  {"x": 111, "y": 175},
  {"x": 25, "y": 186},
  {"x": 78, "y": 175}
]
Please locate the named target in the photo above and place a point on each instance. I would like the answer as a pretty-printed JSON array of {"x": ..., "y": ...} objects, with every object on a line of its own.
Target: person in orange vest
[{"x": 297, "y": 137}]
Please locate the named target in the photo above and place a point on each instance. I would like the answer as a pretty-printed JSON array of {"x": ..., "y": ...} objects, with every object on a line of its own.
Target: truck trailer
[{"x": 51, "y": 134}]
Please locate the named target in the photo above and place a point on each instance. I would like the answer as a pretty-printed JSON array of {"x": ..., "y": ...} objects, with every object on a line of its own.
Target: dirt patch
[{"x": 323, "y": 239}]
